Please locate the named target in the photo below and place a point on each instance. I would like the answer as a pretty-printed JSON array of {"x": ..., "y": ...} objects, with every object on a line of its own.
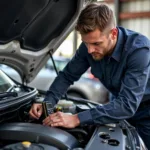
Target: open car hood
[{"x": 32, "y": 29}]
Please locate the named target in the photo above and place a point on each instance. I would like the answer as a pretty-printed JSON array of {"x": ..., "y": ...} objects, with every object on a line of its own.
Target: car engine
[{"x": 20, "y": 132}]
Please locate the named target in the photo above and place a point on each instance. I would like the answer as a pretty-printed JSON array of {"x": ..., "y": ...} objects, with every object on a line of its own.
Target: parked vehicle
[
  {"x": 87, "y": 87},
  {"x": 60, "y": 63},
  {"x": 31, "y": 30}
]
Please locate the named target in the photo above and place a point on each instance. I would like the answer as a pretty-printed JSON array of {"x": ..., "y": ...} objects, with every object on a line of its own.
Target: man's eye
[{"x": 97, "y": 44}]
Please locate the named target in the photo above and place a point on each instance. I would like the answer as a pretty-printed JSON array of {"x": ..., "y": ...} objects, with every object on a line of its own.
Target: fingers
[
  {"x": 57, "y": 124},
  {"x": 50, "y": 122},
  {"x": 32, "y": 115},
  {"x": 50, "y": 119},
  {"x": 39, "y": 111},
  {"x": 47, "y": 121},
  {"x": 61, "y": 119},
  {"x": 36, "y": 111},
  {"x": 53, "y": 119}
]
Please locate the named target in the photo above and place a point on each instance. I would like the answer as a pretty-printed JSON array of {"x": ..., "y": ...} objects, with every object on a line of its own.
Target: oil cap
[{"x": 26, "y": 144}]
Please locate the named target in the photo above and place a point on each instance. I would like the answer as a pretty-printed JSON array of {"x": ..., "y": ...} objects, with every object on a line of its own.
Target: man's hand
[
  {"x": 36, "y": 111},
  {"x": 60, "y": 119}
]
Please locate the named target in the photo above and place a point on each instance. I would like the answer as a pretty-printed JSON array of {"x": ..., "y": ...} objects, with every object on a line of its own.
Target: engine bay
[{"x": 18, "y": 131}]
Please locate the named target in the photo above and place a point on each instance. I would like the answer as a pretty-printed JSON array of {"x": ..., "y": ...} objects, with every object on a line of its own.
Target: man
[{"x": 120, "y": 58}]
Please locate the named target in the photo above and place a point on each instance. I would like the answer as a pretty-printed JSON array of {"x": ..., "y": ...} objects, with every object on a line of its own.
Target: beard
[{"x": 97, "y": 56}]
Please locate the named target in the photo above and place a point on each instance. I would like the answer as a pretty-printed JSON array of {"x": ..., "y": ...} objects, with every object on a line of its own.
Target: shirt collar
[{"x": 119, "y": 46}]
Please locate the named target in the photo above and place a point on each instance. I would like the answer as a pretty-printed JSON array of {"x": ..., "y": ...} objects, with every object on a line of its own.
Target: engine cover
[{"x": 37, "y": 133}]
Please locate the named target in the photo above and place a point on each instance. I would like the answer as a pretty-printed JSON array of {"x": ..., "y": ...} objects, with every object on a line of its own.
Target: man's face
[{"x": 100, "y": 44}]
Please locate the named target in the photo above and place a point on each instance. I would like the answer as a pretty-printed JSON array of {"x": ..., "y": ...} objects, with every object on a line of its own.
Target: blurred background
[{"x": 131, "y": 14}]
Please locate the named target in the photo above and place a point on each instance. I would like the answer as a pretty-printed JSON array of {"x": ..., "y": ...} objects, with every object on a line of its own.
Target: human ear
[{"x": 114, "y": 33}]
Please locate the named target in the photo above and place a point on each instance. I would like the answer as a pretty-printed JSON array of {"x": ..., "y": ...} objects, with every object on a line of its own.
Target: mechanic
[{"x": 120, "y": 58}]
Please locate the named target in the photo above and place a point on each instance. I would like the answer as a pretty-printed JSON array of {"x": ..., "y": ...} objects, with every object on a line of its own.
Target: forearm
[
  {"x": 108, "y": 113},
  {"x": 72, "y": 72},
  {"x": 58, "y": 88}
]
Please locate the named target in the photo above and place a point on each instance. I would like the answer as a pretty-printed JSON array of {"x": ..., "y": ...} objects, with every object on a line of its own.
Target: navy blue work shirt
[{"x": 125, "y": 74}]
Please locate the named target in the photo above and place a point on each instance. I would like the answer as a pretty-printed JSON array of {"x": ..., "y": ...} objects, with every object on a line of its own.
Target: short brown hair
[{"x": 95, "y": 15}]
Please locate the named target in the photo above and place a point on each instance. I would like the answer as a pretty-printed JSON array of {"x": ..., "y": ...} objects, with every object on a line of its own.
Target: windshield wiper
[{"x": 8, "y": 94}]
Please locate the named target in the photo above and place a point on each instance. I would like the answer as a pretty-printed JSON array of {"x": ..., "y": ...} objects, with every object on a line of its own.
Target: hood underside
[{"x": 32, "y": 29}]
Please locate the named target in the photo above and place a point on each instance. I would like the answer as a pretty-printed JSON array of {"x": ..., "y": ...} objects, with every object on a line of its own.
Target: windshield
[{"x": 5, "y": 82}]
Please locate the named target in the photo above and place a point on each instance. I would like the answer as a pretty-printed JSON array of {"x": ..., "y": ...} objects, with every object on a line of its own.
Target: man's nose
[{"x": 90, "y": 49}]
